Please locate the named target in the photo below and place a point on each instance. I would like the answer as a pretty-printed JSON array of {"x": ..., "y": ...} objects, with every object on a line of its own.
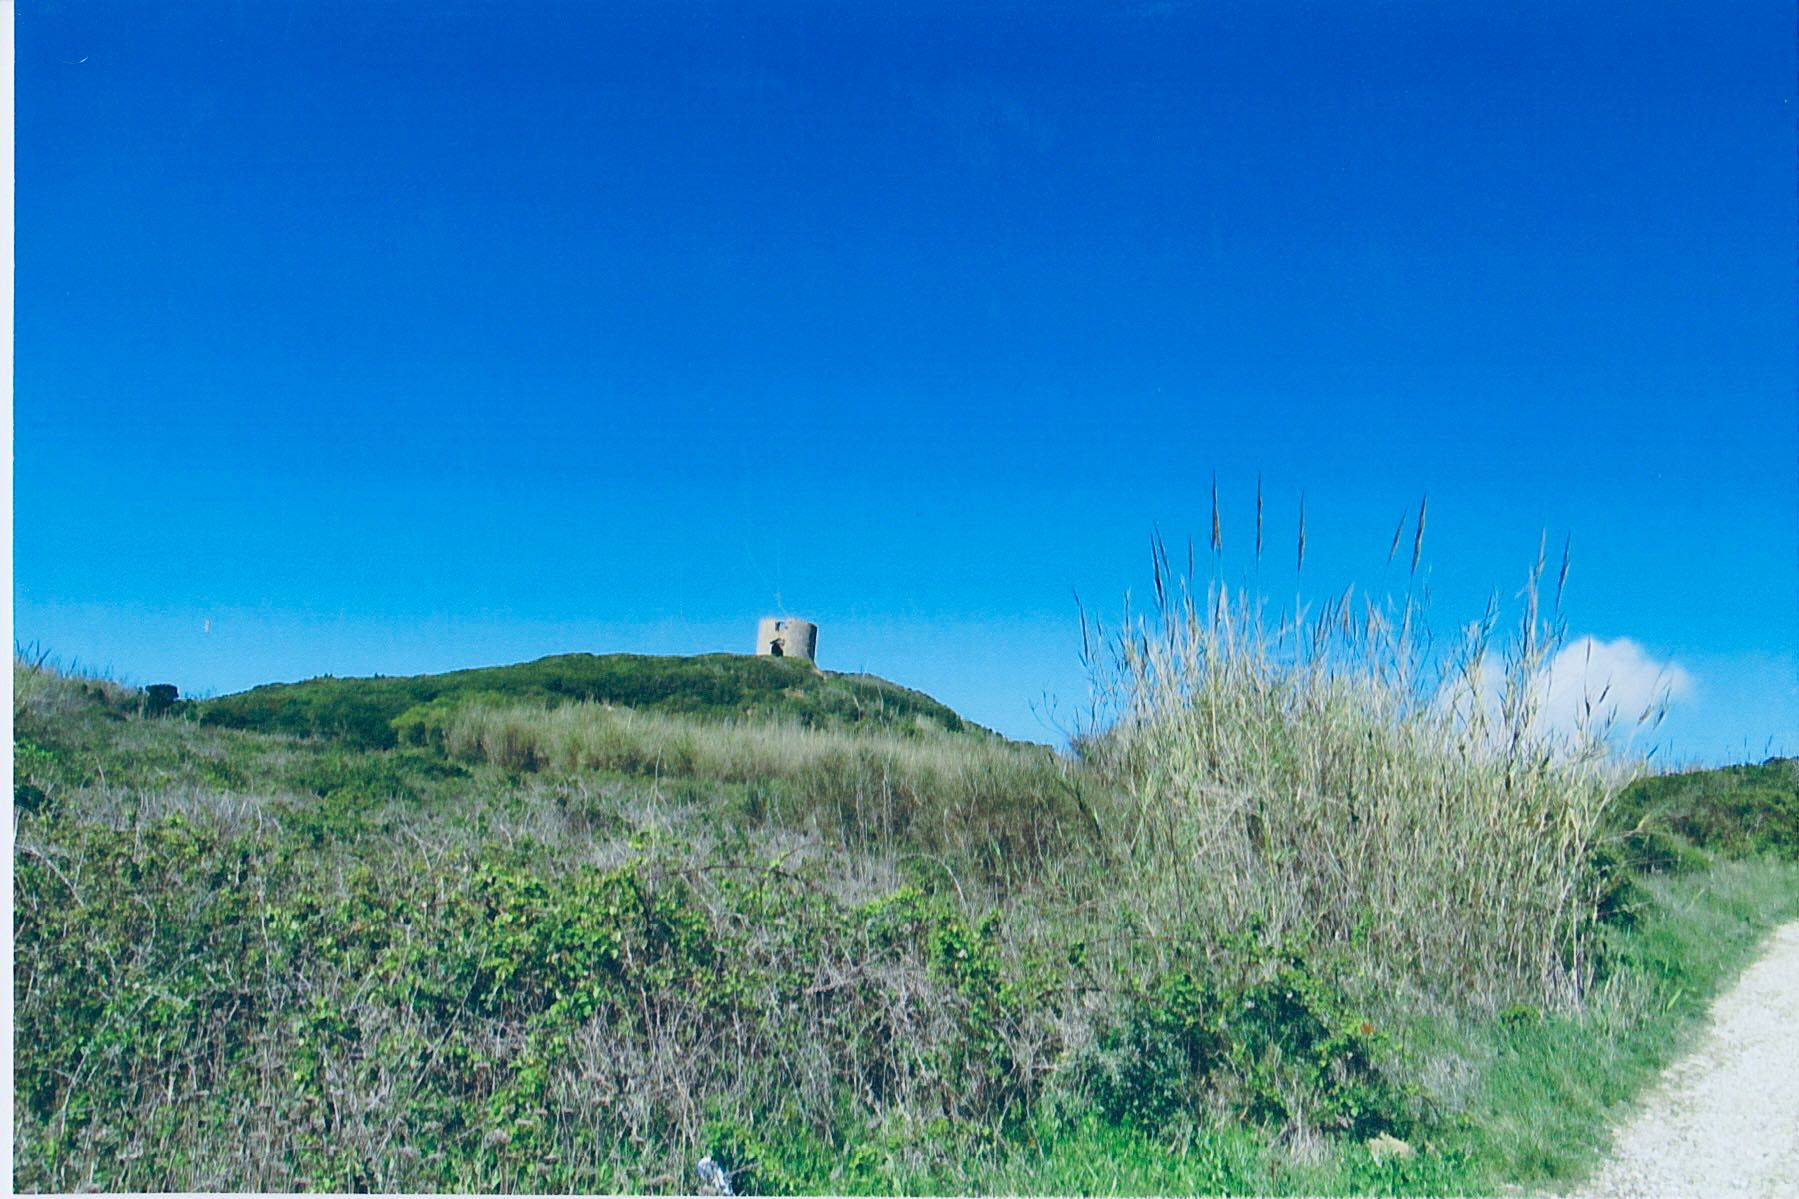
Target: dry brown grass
[
  {"x": 42, "y": 689},
  {"x": 1333, "y": 779},
  {"x": 1000, "y": 805}
]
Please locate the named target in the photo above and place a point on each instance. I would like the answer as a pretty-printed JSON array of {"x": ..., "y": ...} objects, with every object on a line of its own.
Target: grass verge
[{"x": 1550, "y": 1087}]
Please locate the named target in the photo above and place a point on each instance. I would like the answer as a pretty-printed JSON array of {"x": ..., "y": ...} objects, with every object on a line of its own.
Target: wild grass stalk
[
  {"x": 44, "y": 689},
  {"x": 1335, "y": 779}
]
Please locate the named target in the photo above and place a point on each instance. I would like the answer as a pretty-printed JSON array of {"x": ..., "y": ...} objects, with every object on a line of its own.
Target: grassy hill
[
  {"x": 571, "y": 924},
  {"x": 379, "y": 712},
  {"x": 1735, "y": 810}
]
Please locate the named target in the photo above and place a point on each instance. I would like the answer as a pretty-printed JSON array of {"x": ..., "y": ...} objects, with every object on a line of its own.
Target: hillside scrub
[
  {"x": 271, "y": 1016},
  {"x": 1737, "y": 810},
  {"x": 1305, "y": 896},
  {"x": 375, "y": 713},
  {"x": 1003, "y": 804}
]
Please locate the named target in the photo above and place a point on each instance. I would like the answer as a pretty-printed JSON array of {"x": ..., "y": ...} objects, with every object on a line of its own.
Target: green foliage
[
  {"x": 378, "y": 712},
  {"x": 1652, "y": 850},
  {"x": 31, "y": 762},
  {"x": 367, "y": 779},
  {"x": 248, "y": 961},
  {"x": 753, "y": 1166},
  {"x": 489, "y": 984},
  {"x": 1619, "y": 900},
  {"x": 1551, "y": 1085},
  {"x": 134, "y": 978},
  {"x": 1153, "y": 1062},
  {"x": 424, "y": 724},
  {"x": 1736, "y": 811},
  {"x": 345, "y": 795},
  {"x": 1267, "y": 1031}
]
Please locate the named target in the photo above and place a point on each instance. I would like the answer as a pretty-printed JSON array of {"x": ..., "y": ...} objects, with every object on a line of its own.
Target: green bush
[
  {"x": 424, "y": 724},
  {"x": 1611, "y": 879},
  {"x": 1268, "y": 1033},
  {"x": 31, "y": 766},
  {"x": 1736, "y": 811},
  {"x": 371, "y": 778},
  {"x": 136, "y": 977}
]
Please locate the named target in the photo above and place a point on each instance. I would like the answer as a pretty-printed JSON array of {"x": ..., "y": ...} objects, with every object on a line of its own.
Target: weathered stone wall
[{"x": 786, "y": 638}]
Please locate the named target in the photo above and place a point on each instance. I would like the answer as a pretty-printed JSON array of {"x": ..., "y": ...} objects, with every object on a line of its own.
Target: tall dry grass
[
  {"x": 43, "y": 689},
  {"x": 1339, "y": 779},
  {"x": 1005, "y": 805}
]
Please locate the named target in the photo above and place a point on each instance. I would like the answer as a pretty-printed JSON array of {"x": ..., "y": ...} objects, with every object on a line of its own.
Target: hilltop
[{"x": 381, "y": 712}]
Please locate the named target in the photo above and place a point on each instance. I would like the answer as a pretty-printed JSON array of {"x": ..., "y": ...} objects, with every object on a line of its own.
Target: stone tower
[{"x": 778, "y": 637}]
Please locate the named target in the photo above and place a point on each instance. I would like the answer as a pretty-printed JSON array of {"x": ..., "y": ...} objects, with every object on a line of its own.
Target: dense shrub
[
  {"x": 1267, "y": 1035},
  {"x": 509, "y": 1023},
  {"x": 372, "y": 778},
  {"x": 1736, "y": 811}
]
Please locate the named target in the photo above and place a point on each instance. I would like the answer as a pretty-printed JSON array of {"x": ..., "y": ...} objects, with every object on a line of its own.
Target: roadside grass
[
  {"x": 1523, "y": 1098},
  {"x": 1551, "y": 1086},
  {"x": 1097, "y": 1158}
]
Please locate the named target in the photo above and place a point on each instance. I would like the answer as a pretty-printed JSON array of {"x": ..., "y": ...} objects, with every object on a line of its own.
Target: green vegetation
[
  {"x": 378, "y": 712},
  {"x": 1309, "y": 914},
  {"x": 1550, "y": 1084},
  {"x": 1004, "y": 805},
  {"x": 1739, "y": 810}
]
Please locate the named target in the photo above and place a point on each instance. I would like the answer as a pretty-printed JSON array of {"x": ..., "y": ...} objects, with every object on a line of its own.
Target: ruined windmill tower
[{"x": 779, "y": 637}]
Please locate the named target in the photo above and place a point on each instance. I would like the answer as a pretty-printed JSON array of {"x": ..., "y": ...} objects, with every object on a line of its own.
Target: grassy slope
[
  {"x": 403, "y": 957},
  {"x": 1546, "y": 1103},
  {"x": 1737, "y": 810},
  {"x": 710, "y": 686}
]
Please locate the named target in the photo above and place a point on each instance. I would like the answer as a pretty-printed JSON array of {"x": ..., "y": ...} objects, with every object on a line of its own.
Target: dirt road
[{"x": 1725, "y": 1120}]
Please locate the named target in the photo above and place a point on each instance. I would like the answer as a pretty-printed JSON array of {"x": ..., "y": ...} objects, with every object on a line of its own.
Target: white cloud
[
  {"x": 1609, "y": 689},
  {"x": 1615, "y": 680}
]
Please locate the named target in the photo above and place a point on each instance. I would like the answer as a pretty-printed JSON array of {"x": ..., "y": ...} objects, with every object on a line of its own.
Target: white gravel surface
[{"x": 1724, "y": 1121}]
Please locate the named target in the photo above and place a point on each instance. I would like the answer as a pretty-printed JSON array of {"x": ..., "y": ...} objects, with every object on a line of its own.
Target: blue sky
[{"x": 395, "y": 337}]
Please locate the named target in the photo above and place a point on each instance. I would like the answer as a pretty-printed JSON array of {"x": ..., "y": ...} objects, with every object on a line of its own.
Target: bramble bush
[
  {"x": 1268, "y": 1036},
  {"x": 465, "y": 1017}
]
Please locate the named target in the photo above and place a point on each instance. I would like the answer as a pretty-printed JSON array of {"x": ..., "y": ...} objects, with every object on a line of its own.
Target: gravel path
[{"x": 1724, "y": 1121}]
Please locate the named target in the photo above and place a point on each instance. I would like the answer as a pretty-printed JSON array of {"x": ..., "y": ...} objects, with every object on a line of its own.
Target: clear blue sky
[{"x": 393, "y": 337}]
